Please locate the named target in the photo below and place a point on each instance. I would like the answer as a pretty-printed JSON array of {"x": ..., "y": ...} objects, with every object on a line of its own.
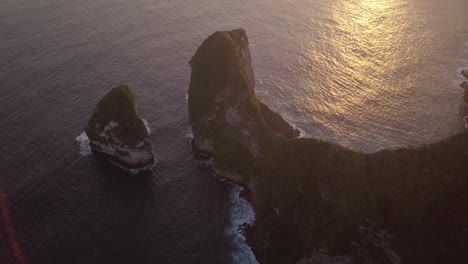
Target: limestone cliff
[
  {"x": 117, "y": 133},
  {"x": 318, "y": 201}
]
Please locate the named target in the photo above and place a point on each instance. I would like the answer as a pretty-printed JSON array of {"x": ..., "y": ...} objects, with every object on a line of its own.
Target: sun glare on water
[{"x": 360, "y": 46}]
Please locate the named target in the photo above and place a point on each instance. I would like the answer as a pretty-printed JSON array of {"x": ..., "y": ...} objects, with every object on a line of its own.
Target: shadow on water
[{"x": 131, "y": 191}]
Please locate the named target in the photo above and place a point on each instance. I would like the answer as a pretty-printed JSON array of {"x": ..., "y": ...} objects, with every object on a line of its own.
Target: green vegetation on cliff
[{"x": 314, "y": 195}]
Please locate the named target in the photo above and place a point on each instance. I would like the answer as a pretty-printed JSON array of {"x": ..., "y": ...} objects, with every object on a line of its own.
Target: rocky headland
[
  {"x": 317, "y": 202},
  {"x": 118, "y": 134}
]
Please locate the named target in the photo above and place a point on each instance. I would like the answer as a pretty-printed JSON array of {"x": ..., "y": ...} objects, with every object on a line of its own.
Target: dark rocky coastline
[
  {"x": 317, "y": 200},
  {"x": 248, "y": 230},
  {"x": 199, "y": 154}
]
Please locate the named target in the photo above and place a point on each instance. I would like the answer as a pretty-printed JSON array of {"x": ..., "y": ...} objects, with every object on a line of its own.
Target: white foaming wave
[
  {"x": 241, "y": 212},
  {"x": 146, "y": 125},
  {"x": 189, "y": 133},
  {"x": 302, "y": 133},
  {"x": 85, "y": 148},
  {"x": 136, "y": 171}
]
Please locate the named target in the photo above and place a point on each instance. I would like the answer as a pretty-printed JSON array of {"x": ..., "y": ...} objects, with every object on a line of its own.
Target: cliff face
[
  {"x": 225, "y": 114},
  {"x": 316, "y": 201},
  {"x": 118, "y": 134}
]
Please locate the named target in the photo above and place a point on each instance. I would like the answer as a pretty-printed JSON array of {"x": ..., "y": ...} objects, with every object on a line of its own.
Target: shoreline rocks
[{"x": 117, "y": 133}]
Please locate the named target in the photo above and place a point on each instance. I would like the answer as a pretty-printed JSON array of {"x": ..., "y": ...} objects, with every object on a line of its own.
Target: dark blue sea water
[{"x": 366, "y": 74}]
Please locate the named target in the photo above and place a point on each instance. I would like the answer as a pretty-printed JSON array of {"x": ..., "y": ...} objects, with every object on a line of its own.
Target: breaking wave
[
  {"x": 147, "y": 126},
  {"x": 241, "y": 213},
  {"x": 302, "y": 133},
  {"x": 189, "y": 133},
  {"x": 85, "y": 149}
]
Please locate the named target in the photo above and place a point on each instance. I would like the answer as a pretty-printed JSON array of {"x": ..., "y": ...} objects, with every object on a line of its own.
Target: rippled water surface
[{"x": 366, "y": 74}]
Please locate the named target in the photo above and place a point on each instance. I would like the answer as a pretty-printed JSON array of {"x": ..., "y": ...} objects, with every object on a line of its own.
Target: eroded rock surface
[{"x": 118, "y": 134}]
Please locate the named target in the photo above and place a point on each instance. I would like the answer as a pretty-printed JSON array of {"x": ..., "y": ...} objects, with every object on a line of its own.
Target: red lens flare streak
[{"x": 9, "y": 229}]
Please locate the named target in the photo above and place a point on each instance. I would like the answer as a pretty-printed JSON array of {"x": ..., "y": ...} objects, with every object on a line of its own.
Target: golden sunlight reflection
[
  {"x": 361, "y": 44},
  {"x": 370, "y": 39},
  {"x": 375, "y": 3}
]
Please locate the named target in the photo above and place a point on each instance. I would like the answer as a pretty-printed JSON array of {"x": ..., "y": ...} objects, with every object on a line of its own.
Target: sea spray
[
  {"x": 241, "y": 213},
  {"x": 302, "y": 133},
  {"x": 189, "y": 134},
  {"x": 146, "y": 125},
  {"x": 85, "y": 149}
]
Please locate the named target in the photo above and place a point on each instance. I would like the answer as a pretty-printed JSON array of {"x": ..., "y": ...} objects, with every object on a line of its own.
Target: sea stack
[
  {"x": 226, "y": 117},
  {"x": 118, "y": 134}
]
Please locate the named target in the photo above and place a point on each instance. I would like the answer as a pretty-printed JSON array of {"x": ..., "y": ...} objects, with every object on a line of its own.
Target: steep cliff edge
[
  {"x": 224, "y": 111},
  {"x": 118, "y": 134},
  {"x": 318, "y": 202}
]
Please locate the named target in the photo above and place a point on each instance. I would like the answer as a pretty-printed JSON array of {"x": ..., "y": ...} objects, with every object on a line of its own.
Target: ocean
[{"x": 365, "y": 74}]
